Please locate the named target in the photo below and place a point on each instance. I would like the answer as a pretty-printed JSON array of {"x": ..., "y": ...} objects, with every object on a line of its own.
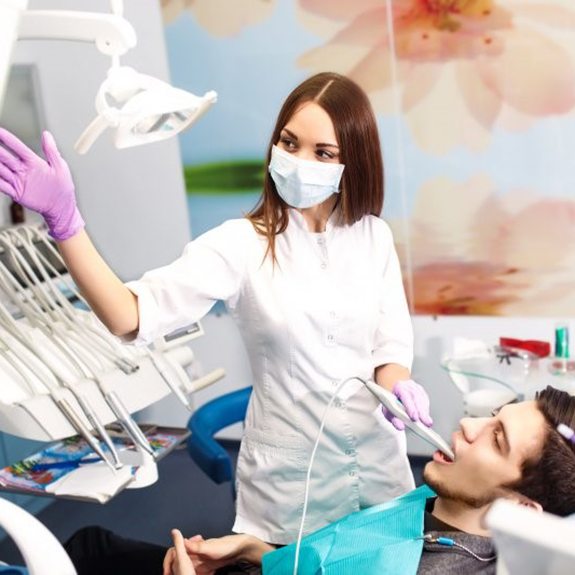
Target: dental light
[{"x": 141, "y": 109}]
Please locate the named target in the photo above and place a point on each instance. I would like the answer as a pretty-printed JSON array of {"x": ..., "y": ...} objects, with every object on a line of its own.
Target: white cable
[
  {"x": 157, "y": 361},
  {"x": 89, "y": 319},
  {"x": 19, "y": 266},
  {"x": 21, "y": 368},
  {"x": 119, "y": 353},
  {"x": 308, "y": 476},
  {"x": 18, "y": 294},
  {"x": 64, "y": 310},
  {"x": 12, "y": 243}
]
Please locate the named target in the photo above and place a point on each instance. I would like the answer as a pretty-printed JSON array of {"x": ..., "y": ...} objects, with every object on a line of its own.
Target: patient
[{"x": 516, "y": 454}]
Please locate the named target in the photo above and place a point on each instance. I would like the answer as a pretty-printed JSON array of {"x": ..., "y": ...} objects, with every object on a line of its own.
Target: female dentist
[{"x": 312, "y": 278}]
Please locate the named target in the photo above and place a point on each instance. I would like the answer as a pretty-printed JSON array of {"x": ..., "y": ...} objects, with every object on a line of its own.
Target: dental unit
[
  {"x": 51, "y": 339},
  {"x": 58, "y": 355},
  {"x": 128, "y": 366}
]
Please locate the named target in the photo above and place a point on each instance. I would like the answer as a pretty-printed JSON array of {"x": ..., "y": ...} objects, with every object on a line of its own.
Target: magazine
[{"x": 70, "y": 467}]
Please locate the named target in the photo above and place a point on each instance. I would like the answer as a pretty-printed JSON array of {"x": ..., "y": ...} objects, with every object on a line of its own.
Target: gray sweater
[{"x": 439, "y": 559}]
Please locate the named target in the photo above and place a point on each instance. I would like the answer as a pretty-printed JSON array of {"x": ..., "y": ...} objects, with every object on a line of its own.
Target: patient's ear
[{"x": 523, "y": 501}]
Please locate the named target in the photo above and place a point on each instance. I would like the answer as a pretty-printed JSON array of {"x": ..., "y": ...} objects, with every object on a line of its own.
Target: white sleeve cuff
[{"x": 147, "y": 313}]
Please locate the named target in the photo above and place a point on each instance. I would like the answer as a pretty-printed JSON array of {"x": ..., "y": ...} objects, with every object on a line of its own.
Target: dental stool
[
  {"x": 205, "y": 422},
  {"x": 41, "y": 551}
]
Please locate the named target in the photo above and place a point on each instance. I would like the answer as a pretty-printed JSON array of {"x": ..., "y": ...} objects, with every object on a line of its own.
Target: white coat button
[
  {"x": 352, "y": 473},
  {"x": 349, "y": 451},
  {"x": 330, "y": 338},
  {"x": 323, "y": 265},
  {"x": 332, "y": 314}
]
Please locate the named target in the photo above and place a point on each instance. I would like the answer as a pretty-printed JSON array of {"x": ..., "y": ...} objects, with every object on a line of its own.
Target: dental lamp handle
[
  {"x": 43, "y": 185},
  {"x": 208, "y": 379}
]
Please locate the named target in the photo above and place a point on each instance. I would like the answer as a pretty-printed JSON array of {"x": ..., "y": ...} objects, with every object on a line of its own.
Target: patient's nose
[{"x": 473, "y": 426}]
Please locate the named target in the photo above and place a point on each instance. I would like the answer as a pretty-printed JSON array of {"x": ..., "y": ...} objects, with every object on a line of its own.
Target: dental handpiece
[
  {"x": 124, "y": 417},
  {"x": 392, "y": 403},
  {"x": 79, "y": 426},
  {"x": 67, "y": 410},
  {"x": 98, "y": 427}
]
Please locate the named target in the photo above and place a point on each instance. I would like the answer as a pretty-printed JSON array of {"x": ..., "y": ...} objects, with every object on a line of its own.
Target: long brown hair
[{"x": 357, "y": 136}]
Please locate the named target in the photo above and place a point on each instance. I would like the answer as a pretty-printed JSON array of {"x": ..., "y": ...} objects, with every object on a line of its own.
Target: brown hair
[
  {"x": 550, "y": 480},
  {"x": 357, "y": 136}
]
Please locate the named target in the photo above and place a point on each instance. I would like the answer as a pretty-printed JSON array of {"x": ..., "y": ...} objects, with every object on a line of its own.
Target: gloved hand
[
  {"x": 42, "y": 185},
  {"x": 415, "y": 401}
]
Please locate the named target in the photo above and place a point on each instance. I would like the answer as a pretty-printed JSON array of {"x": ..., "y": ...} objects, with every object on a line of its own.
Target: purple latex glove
[
  {"x": 42, "y": 185},
  {"x": 415, "y": 401}
]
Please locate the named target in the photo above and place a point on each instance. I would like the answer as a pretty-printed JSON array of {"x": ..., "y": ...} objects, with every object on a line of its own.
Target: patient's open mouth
[{"x": 440, "y": 457}]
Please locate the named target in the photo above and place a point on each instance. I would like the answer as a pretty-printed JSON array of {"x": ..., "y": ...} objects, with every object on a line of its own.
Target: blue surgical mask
[{"x": 303, "y": 183}]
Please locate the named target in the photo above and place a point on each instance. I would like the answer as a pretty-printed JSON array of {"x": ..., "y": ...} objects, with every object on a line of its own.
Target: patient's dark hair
[{"x": 550, "y": 480}]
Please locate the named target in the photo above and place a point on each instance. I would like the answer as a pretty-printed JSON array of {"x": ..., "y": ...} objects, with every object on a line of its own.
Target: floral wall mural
[{"x": 475, "y": 102}]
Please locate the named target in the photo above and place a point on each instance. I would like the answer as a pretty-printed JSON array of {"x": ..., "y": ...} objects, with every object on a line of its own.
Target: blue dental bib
[{"x": 385, "y": 539}]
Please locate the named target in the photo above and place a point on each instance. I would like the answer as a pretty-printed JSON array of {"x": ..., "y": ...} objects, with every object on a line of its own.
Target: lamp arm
[{"x": 112, "y": 34}]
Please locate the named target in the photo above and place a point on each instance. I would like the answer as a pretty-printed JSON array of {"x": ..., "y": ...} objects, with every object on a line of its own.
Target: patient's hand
[
  {"x": 177, "y": 561},
  {"x": 209, "y": 555}
]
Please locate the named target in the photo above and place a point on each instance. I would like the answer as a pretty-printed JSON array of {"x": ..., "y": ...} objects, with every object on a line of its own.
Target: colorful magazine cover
[{"x": 37, "y": 471}]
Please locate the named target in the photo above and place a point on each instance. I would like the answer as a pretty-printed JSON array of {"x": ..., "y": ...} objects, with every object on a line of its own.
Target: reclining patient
[{"x": 516, "y": 454}]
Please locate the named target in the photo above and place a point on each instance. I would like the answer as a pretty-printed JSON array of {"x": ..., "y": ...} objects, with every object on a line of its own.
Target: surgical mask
[{"x": 303, "y": 183}]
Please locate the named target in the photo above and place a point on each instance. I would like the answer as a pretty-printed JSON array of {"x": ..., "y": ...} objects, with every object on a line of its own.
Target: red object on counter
[{"x": 539, "y": 348}]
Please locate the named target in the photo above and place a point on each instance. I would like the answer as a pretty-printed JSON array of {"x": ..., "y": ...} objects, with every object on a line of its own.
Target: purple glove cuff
[
  {"x": 415, "y": 402},
  {"x": 66, "y": 224}
]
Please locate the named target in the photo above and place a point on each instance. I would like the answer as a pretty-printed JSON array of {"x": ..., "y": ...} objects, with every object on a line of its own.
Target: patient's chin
[{"x": 444, "y": 489}]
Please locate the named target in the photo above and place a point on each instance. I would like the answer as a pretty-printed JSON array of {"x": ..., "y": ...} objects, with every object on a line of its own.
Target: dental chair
[
  {"x": 41, "y": 551},
  {"x": 205, "y": 422},
  {"x": 530, "y": 542}
]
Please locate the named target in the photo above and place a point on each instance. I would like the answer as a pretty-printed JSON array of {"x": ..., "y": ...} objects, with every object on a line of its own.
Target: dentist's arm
[
  {"x": 45, "y": 186},
  {"x": 109, "y": 298}
]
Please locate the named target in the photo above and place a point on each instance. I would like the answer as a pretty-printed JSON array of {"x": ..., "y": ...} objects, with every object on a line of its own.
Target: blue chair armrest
[{"x": 205, "y": 422}]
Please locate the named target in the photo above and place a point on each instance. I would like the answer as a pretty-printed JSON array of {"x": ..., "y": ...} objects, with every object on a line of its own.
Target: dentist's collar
[{"x": 297, "y": 218}]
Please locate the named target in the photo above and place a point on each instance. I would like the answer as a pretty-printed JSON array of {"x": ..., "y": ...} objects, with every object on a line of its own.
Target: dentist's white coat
[{"x": 333, "y": 307}]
